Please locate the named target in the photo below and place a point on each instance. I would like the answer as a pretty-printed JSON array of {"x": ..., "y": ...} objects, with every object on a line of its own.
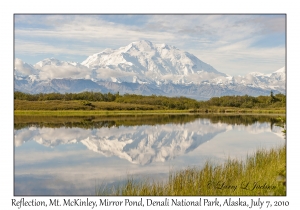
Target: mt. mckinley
[{"x": 142, "y": 68}]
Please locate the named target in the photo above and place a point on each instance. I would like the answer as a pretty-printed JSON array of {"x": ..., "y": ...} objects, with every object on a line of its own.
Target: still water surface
[{"x": 75, "y": 155}]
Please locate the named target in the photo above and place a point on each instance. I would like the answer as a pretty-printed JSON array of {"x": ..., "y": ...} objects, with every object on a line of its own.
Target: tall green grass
[{"x": 261, "y": 174}]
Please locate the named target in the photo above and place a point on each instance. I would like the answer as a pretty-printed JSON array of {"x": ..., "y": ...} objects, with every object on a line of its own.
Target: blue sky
[{"x": 233, "y": 44}]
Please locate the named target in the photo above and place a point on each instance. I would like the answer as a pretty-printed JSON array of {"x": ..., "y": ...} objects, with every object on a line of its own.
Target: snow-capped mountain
[
  {"x": 275, "y": 80},
  {"x": 142, "y": 68},
  {"x": 144, "y": 62}
]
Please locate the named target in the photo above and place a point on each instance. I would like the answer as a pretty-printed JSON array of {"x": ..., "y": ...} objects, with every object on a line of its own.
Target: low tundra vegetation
[{"x": 109, "y": 101}]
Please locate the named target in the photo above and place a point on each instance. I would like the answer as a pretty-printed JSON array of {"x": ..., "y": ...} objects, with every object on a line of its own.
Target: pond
[{"x": 80, "y": 155}]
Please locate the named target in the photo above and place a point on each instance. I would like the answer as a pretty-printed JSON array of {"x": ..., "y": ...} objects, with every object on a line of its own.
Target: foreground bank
[{"x": 264, "y": 173}]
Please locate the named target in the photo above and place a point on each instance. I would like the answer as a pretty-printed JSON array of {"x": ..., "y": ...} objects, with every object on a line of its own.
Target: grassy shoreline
[{"x": 264, "y": 173}]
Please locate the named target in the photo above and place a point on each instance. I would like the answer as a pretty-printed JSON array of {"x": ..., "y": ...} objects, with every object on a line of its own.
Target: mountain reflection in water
[{"x": 153, "y": 141}]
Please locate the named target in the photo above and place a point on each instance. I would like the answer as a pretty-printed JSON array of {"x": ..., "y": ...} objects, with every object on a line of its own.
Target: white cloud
[
  {"x": 51, "y": 71},
  {"x": 32, "y": 47},
  {"x": 24, "y": 68},
  {"x": 64, "y": 71},
  {"x": 241, "y": 58},
  {"x": 88, "y": 29}
]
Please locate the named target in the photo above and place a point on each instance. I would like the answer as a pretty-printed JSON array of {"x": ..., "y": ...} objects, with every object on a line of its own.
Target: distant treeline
[
  {"x": 88, "y": 96},
  {"x": 272, "y": 101},
  {"x": 161, "y": 102}
]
